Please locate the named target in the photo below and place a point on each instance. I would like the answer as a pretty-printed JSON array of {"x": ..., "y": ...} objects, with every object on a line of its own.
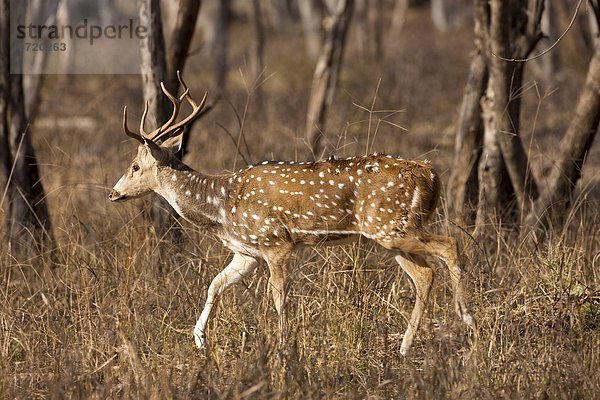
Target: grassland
[{"x": 113, "y": 316}]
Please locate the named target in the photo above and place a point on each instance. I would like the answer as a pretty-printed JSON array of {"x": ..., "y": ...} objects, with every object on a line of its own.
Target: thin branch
[{"x": 549, "y": 48}]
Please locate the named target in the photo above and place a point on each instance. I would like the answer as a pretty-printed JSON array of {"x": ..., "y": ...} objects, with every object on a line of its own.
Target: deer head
[{"x": 156, "y": 148}]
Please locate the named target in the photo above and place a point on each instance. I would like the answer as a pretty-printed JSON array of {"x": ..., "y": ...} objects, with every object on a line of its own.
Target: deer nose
[{"x": 113, "y": 195}]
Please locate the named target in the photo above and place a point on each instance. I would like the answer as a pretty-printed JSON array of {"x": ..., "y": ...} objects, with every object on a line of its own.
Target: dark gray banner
[{"x": 75, "y": 37}]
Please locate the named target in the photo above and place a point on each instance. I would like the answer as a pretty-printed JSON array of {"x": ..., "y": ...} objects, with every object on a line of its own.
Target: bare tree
[
  {"x": 215, "y": 22},
  {"x": 258, "y": 62},
  {"x": 439, "y": 15},
  {"x": 279, "y": 13},
  {"x": 447, "y": 14},
  {"x": 153, "y": 62},
  {"x": 398, "y": 18},
  {"x": 587, "y": 24},
  {"x": 369, "y": 24},
  {"x": 574, "y": 147},
  {"x": 463, "y": 186},
  {"x": 361, "y": 23},
  {"x": 32, "y": 82},
  {"x": 311, "y": 26},
  {"x": 545, "y": 68},
  {"x": 376, "y": 22},
  {"x": 513, "y": 33},
  {"x": 156, "y": 68},
  {"x": 326, "y": 74},
  {"x": 506, "y": 32},
  {"x": 180, "y": 40},
  {"x": 26, "y": 213}
]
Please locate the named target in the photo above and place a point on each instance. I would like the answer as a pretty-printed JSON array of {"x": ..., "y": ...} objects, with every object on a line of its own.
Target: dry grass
[{"x": 114, "y": 317}]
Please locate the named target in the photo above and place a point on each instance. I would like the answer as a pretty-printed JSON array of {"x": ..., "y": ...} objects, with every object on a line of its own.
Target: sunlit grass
[{"x": 113, "y": 315}]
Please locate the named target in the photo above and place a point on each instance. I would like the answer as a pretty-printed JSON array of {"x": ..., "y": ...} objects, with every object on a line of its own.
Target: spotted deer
[{"x": 269, "y": 210}]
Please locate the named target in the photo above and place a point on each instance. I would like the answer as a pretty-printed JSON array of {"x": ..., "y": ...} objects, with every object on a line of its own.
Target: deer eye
[{"x": 135, "y": 167}]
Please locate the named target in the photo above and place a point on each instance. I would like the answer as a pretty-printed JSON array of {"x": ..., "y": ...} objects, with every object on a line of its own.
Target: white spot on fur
[{"x": 416, "y": 199}]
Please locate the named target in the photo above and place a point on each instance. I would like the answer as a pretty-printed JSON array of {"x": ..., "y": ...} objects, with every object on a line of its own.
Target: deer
[{"x": 269, "y": 210}]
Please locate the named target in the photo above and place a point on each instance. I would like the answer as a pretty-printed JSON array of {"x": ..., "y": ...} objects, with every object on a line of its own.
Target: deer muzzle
[{"x": 115, "y": 196}]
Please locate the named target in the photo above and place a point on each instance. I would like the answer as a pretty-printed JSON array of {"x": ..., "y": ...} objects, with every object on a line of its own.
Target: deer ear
[{"x": 173, "y": 143}]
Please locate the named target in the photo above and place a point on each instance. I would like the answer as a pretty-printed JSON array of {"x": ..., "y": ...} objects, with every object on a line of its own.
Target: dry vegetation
[{"x": 114, "y": 317}]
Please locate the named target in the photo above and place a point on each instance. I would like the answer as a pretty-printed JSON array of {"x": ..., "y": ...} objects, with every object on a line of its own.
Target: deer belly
[{"x": 240, "y": 247}]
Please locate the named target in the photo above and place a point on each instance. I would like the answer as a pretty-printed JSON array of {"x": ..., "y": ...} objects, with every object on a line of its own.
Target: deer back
[{"x": 376, "y": 196}]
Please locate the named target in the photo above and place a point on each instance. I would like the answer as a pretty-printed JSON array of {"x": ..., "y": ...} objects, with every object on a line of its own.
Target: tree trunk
[
  {"x": 278, "y": 13},
  {"x": 376, "y": 23},
  {"x": 5, "y": 157},
  {"x": 361, "y": 23},
  {"x": 326, "y": 76},
  {"x": 463, "y": 186},
  {"x": 496, "y": 194},
  {"x": 258, "y": 56},
  {"x": 504, "y": 108},
  {"x": 439, "y": 15},
  {"x": 157, "y": 68},
  {"x": 32, "y": 83},
  {"x": 153, "y": 65},
  {"x": 513, "y": 32},
  {"x": 573, "y": 147},
  {"x": 369, "y": 25},
  {"x": 26, "y": 212},
  {"x": 180, "y": 40},
  {"x": 215, "y": 22},
  {"x": 177, "y": 52},
  {"x": 311, "y": 26},
  {"x": 398, "y": 20},
  {"x": 546, "y": 67},
  {"x": 154, "y": 71}
]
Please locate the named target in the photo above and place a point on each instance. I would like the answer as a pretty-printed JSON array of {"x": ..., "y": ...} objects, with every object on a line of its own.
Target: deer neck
[{"x": 200, "y": 199}]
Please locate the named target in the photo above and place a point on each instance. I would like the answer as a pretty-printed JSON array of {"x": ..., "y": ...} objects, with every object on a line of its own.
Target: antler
[{"x": 170, "y": 127}]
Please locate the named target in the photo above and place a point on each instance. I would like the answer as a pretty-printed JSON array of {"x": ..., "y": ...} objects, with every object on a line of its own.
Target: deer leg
[
  {"x": 239, "y": 267},
  {"x": 278, "y": 262},
  {"x": 444, "y": 247},
  {"x": 422, "y": 277}
]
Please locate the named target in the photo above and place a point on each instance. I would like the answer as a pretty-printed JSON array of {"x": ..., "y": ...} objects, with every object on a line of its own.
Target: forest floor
[{"x": 113, "y": 316}]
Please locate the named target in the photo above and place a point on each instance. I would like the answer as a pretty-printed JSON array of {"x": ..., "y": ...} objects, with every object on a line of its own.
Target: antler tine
[
  {"x": 203, "y": 101},
  {"x": 169, "y": 128},
  {"x": 181, "y": 81},
  {"x": 186, "y": 89},
  {"x": 143, "y": 121},
  {"x": 176, "y": 106},
  {"x": 196, "y": 111},
  {"x": 129, "y": 133},
  {"x": 185, "y": 94}
]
